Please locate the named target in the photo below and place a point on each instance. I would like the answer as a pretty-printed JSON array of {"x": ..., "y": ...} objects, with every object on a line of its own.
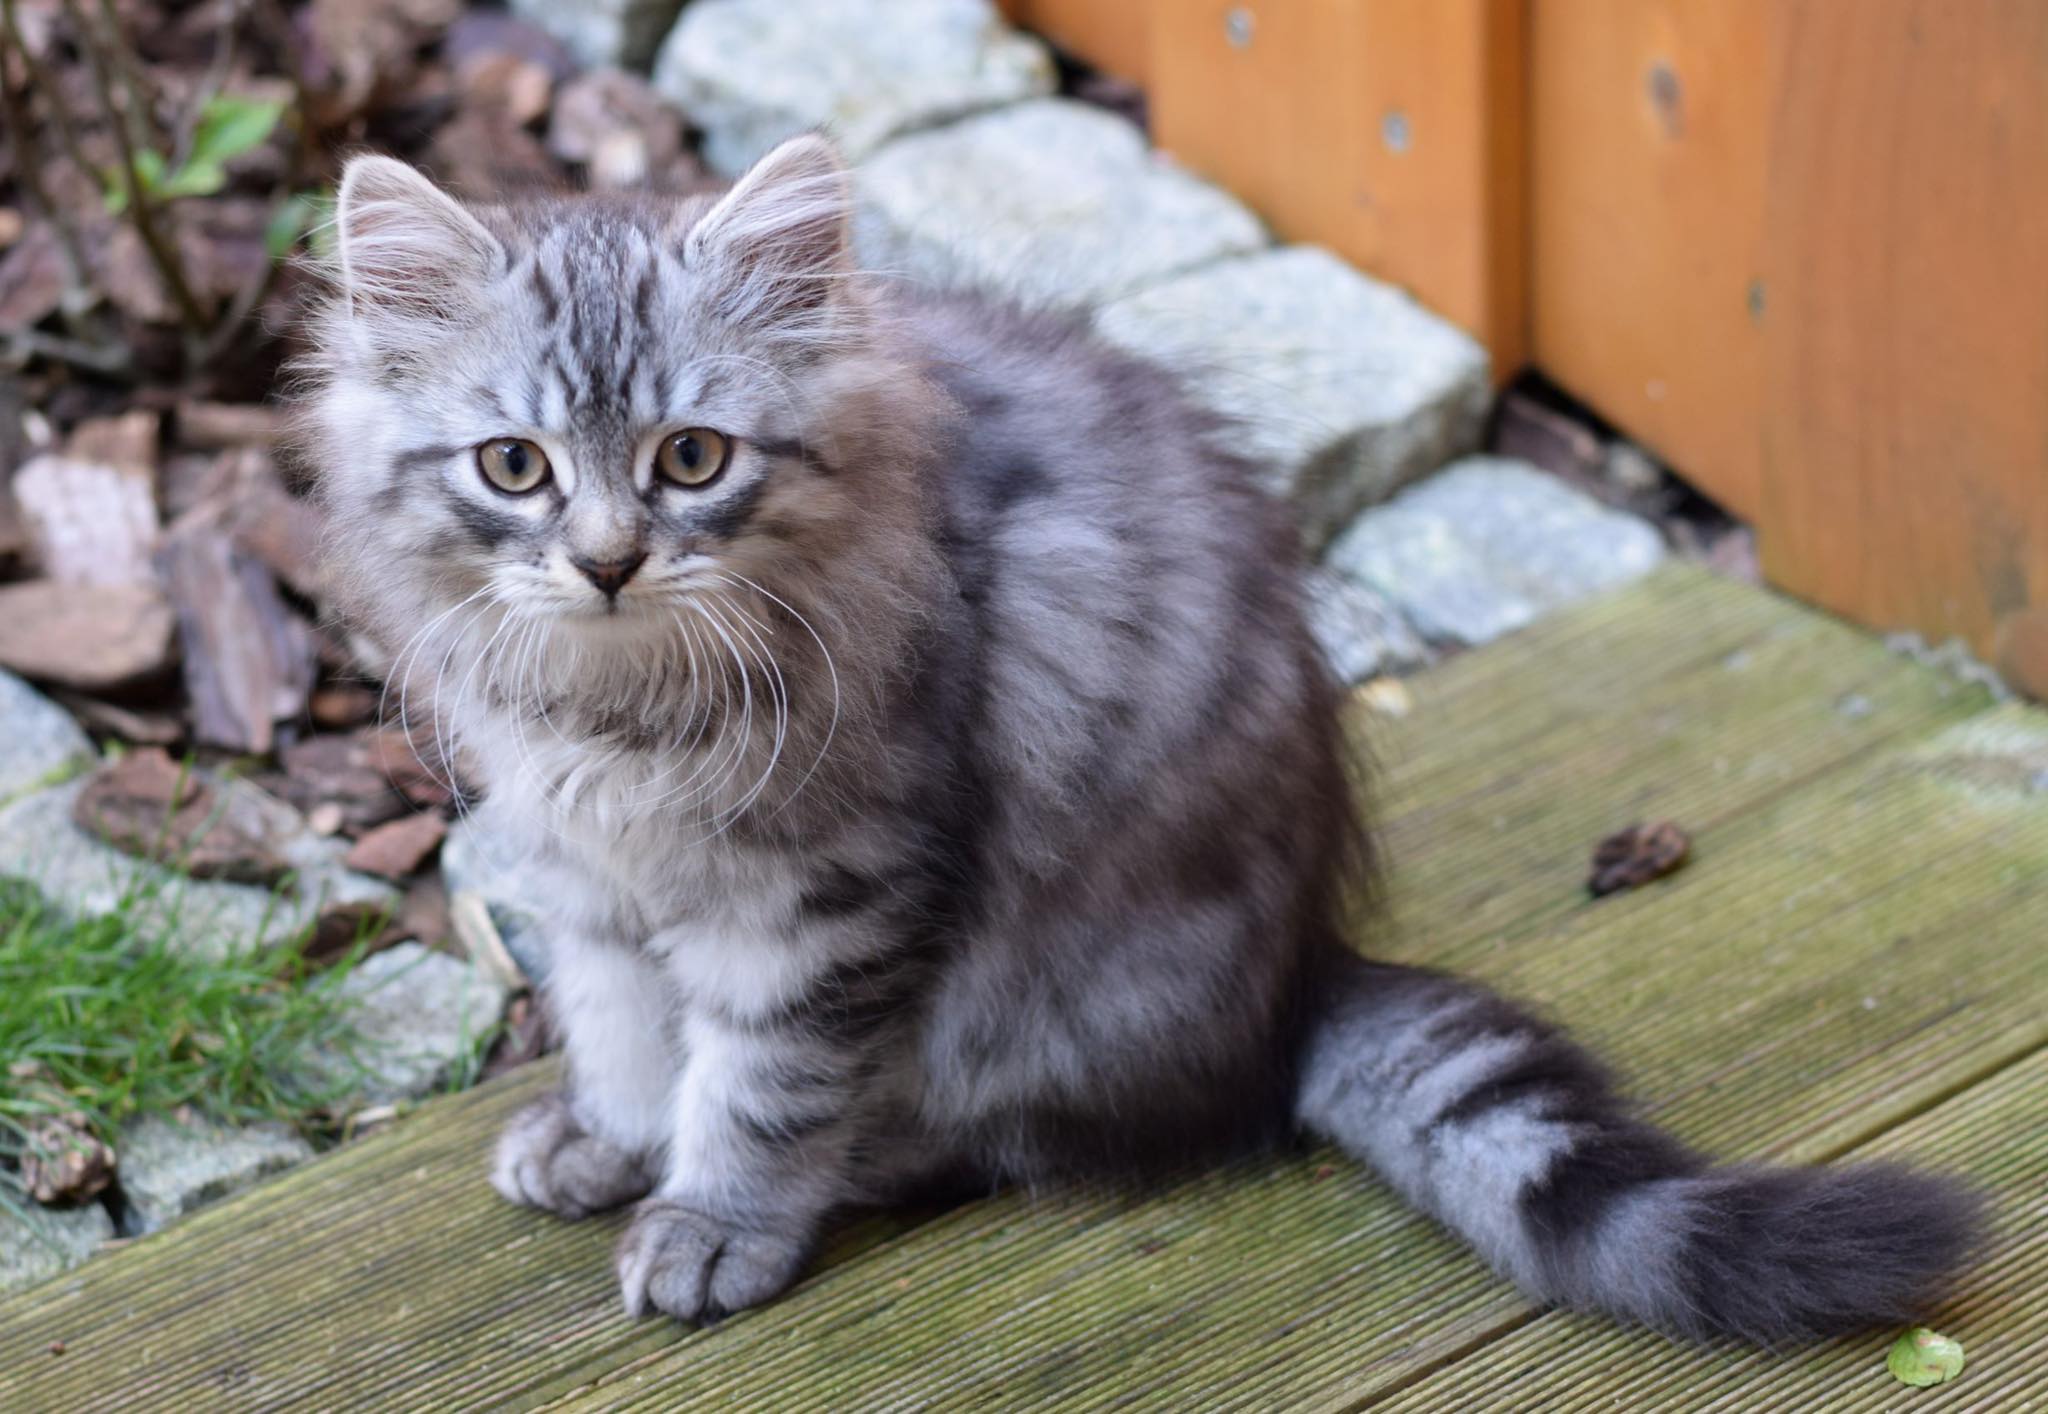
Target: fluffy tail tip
[{"x": 1781, "y": 1254}]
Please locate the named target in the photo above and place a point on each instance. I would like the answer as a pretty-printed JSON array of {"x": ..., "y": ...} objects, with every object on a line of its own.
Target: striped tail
[{"x": 1509, "y": 1134}]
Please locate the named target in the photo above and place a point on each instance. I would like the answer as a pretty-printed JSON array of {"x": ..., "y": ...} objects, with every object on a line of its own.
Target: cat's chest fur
[
  {"x": 606, "y": 846},
  {"x": 624, "y": 848}
]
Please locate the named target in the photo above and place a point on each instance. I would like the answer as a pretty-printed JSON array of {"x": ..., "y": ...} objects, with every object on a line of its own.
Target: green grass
[{"x": 107, "y": 1017}]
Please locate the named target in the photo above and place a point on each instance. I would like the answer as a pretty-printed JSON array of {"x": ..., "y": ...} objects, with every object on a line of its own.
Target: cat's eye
[
  {"x": 513, "y": 465},
  {"x": 693, "y": 457}
]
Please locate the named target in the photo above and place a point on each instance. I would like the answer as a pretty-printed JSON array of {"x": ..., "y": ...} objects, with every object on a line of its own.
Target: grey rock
[
  {"x": 50, "y": 1241},
  {"x": 1343, "y": 388},
  {"x": 169, "y": 1167},
  {"x": 79, "y": 874},
  {"x": 469, "y": 864},
  {"x": 39, "y": 743},
  {"x": 1052, "y": 203},
  {"x": 420, "y": 1017},
  {"x": 1489, "y": 545},
  {"x": 624, "y": 33},
  {"x": 1361, "y": 633},
  {"x": 750, "y": 73}
]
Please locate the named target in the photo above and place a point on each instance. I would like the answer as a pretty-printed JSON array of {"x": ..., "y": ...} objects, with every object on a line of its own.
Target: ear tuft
[
  {"x": 784, "y": 228},
  {"x": 408, "y": 248}
]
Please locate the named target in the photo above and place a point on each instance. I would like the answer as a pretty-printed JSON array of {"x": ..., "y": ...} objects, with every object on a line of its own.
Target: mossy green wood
[
  {"x": 384, "y": 1275},
  {"x": 1852, "y": 951},
  {"x": 1996, "y": 1132},
  {"x": 1857, "y": 938},
  {"x": 1689, "y": 698}
]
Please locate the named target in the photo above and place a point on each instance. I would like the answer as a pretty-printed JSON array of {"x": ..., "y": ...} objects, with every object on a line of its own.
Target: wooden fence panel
[
  {"x": 1647, "y": 123},
  {"x": 1905, "y": 435},
  {"x": 1796, "y": 246},
  {"x": 1389, "y": 130},
  {"x": 1112, "y": 35}
]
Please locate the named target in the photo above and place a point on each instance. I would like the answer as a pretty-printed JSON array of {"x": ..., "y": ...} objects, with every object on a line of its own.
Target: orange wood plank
[
  {"x": 1389, "y": 130},
  {"x": 1647, "y": 174},
  {"x": 1905, "y": 438},
  {"x": 1112, "y": 35}
]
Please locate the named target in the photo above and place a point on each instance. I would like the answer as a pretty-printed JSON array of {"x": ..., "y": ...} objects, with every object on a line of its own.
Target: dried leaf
[{"x": 1637, "y": 855}]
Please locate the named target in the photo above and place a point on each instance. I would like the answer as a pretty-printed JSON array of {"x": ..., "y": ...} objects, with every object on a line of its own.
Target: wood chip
[
  {"x": 249, "y": 661},
  {"x": 338, "y": 706},
  {"x": 617, "y": 127},
  {"x": 89, "y": 522},
  {"x": 62, "y": 1162},
  {"x": 1387, "y": 696},
  {"x": 135, "y": 726},
  {"x": 340, "y": 771},
  {"x": 399, "y": 849},
  {"x": 127, "y": 442},
  {"x": 470, "y": 918},
  {"x": 1559, "y": 443},
  {"x": 213, "y": 427},
  {"x": 242, "y": 493},
  {"x": 1635, "y": 856},
  {"x": 423, "y": 917},
  {"x": 340, "y": 926},
  {"x": 149, "y": 805},
  {"x": 91, "y": 637}
]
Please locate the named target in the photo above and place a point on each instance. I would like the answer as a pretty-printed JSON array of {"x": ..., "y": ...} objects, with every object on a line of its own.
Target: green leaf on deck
[{"x": 1922, "y": 1357}]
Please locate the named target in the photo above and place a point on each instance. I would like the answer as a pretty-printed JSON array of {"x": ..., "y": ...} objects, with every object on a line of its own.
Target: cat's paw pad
[
  {"x": 697, "y": 1268},
  {"x": 547, "y": 1160}
]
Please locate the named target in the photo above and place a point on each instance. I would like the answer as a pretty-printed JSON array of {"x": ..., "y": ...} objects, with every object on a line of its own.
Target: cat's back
[
  {"x": 1131, "y": 605},
  {"x": 1057, "y": 419}
]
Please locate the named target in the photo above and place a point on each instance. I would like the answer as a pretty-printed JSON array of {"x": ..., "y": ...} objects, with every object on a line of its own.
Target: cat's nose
[{"x": 609, "y": 576}]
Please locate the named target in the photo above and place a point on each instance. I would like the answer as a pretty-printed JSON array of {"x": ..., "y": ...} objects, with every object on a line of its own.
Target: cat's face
[{"x": 598, "y": 415}]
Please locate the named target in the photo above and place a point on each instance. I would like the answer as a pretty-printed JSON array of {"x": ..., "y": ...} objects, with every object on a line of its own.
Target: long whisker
[
  {"x": 679, "y": 751},
  {"x": 712, "y": 756},
  {"x": 403, "y": 674},
  {"x": 440, "y": 714},
  {"x": 778, "y": 690},
  {"x": 832, "y": 671},
  {"x": 744, "y": 736},
  {"x": 724, "y": 815}
]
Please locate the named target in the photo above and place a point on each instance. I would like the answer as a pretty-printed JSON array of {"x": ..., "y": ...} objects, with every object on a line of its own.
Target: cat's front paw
[
  {"x": 698, "y": 1268},
  {"x": 547, "y": 1160}
]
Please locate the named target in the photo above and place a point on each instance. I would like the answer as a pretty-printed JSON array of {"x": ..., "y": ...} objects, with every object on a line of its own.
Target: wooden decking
[{"x": 1855, "y": 962}]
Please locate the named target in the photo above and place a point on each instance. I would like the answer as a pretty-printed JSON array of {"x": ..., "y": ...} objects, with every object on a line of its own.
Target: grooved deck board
[
  {"x": 1996, "y": 1132},
  {"x": 1853, "y": 959}
]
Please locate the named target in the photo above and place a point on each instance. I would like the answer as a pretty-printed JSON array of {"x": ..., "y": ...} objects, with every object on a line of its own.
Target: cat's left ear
[{"x": 784, "y": 228}]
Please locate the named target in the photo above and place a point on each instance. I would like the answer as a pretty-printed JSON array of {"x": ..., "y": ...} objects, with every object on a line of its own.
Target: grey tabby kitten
[{"x": 908, "y": 715}]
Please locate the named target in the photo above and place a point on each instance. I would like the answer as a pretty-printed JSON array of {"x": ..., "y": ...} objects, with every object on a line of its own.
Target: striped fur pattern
[{"x": 952, "y": 796}]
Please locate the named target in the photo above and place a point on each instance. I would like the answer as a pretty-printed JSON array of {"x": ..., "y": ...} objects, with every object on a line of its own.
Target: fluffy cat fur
[{"x": 952, "y": 794}]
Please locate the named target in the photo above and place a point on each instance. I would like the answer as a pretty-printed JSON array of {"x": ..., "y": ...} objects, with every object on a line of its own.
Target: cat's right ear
[
  {"x": 407, "y": 248},
  {"x": 781, "y": 236}
]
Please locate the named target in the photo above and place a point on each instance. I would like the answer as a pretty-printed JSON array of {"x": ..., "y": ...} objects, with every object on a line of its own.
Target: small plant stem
[
  {"x": 142, "y": 210},
  {"x": 28, "y": 168},
  {"x": 107, "y": 359},
  {"x": 139, "y": 111}
]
